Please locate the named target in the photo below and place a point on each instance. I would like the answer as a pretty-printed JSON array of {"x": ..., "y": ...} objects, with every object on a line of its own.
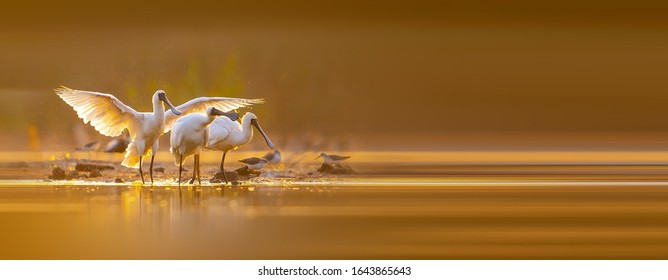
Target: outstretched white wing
[
  {"x": 200, "y": 104},
  {"x": 105, "y": 112}
]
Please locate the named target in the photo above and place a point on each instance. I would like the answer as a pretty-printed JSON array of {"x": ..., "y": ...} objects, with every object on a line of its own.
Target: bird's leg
[
  {"x": 222, "y": 167},
  {"x": 141, "y": 173},
  {"x": 151, "y": 170},
  {"x": 180, "y": 170},
  {"x": 154, "y": 150},
  {"x": 194, "y": 170},
  {"x": 222, "y": 162},
  {"x": 199, "y": 174}
]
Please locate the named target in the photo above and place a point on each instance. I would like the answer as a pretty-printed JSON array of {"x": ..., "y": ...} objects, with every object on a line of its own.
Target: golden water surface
[{"x": 449, "y": 211}]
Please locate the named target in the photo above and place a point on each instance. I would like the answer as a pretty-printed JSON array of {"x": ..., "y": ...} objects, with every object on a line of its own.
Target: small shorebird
[
  {"x": 254, "y": 162},
  {"x": 226, "y": 135},
  {"x": 273, "y": 157},
  {"x": 92, "y": 146},
  {"x": 189, "y": 136},
  {"x": 111, "y": 117},
  {"x": 331, "y": 159},
  {"x": 118, "y": 144}
]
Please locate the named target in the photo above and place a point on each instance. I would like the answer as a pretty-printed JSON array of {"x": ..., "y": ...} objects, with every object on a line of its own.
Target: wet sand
[{"x": 447, "y": 212}]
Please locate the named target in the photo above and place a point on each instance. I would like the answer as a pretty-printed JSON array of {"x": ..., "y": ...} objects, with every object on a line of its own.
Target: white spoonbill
[
  {"x": 111, "y": 117},
  {"x": 226, "y": 135},
  {"x": 330, "y": 159},
  {"x": 189, "y": 135}
]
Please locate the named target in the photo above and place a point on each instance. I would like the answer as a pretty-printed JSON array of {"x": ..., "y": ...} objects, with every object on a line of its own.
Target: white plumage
[
  {"x": 110, "y": 117},
  {"x": 226, "y": 135},
  {"x": 104, "y": 111},
  {"x": 200, "y": 105},
  {"x": 189, "y": 135}
]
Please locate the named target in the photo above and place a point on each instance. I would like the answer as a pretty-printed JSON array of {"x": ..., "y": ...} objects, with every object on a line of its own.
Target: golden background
[
  {"x": 377, "y": 74},
  {"x": 482, "y": 129}
]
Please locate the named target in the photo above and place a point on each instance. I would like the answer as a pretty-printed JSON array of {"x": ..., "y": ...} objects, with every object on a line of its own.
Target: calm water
[{"x": 461, "y": 215}]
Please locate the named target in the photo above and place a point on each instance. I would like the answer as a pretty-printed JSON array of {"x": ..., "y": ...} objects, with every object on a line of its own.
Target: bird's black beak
[
  {"x": 163, "y": 98},
  {"x": 231, "y": 115},
  {"x": 257, "y": 125}
]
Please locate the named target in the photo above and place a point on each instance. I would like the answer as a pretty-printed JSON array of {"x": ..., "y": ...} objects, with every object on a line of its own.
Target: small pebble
[
  {"x": 72, "y": 175},
  {"x": 94, "y": 174},
  {"x": 57, "y": 173},
  {"x": 232, "y": 176}
]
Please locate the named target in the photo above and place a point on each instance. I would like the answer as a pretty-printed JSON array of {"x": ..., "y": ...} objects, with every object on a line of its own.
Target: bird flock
[{"x": 201, "y": 123}]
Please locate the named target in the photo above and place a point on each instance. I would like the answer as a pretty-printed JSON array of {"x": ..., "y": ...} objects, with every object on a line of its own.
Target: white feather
[
  {"x": 200, "y": 105},
  {"x": 103, "y": 111}
]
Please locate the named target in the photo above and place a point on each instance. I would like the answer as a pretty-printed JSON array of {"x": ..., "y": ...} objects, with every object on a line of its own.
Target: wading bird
[
  {"x": 118, "y": 144},
  {"x": 273, "y": 157},
  {"x": 189, "y": 135},
  {"x": 331, "y": 159},
  {"x": 226, "y": 135},
  {"x": 110, "y": 117},
  {"x": 92, "y": 146},
  {"x": 254, "y": 162}
]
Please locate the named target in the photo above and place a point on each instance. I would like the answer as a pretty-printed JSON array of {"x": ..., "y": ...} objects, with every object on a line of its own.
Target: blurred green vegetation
[{"x": 191, "y": 83}]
